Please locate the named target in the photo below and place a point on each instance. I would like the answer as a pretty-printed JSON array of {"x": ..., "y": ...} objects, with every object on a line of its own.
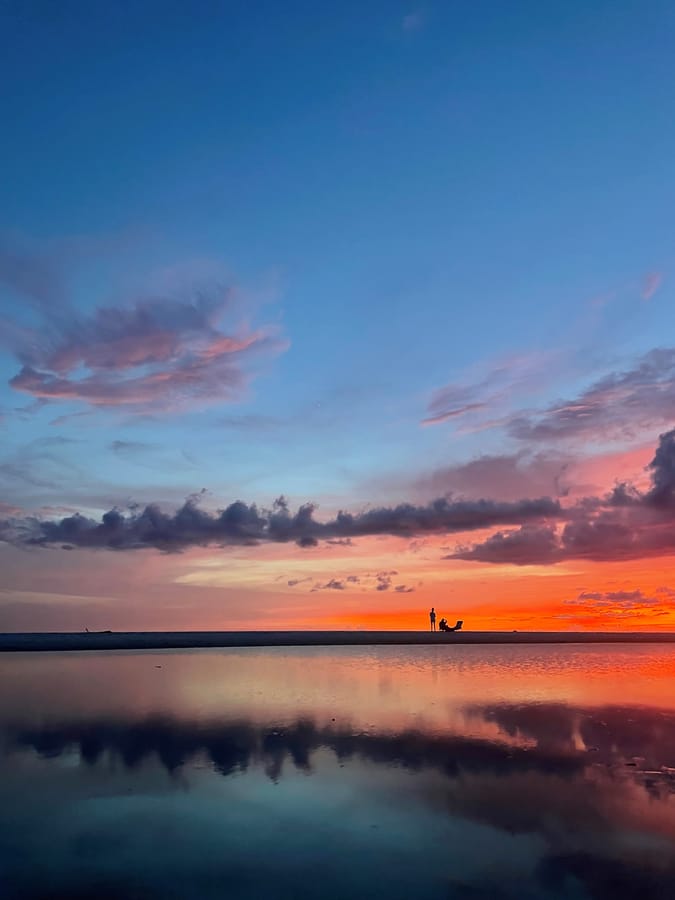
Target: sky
[{"x": 317, "y": 315}]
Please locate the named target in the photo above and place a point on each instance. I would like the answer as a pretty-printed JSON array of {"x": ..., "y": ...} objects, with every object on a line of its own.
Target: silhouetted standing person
[{"x": 432, "y": 618}]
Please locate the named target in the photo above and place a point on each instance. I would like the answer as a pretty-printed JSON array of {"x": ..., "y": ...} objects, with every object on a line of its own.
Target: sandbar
[{"x": 170, "y": 640}]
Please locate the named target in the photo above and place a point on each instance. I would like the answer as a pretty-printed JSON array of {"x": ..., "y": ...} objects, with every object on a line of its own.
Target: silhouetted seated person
[{"x": 443, "y": 625}]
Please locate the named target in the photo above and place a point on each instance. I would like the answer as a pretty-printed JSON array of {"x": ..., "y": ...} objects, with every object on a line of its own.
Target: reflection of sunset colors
[
  {"x": 521, "y": 770},
  {"x": 387, "y": 687}
]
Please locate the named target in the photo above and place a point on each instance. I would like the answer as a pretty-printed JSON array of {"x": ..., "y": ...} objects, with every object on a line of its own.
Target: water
[{"x": 425, "y": 772}]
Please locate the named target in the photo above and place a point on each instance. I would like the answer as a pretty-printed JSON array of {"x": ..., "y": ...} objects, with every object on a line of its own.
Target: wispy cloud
[
  {"x": 157, "y": 355},
  {"x": 650, "y": 284},
  {"x": 619, "y": 406},
  {"x": 168, "y": 350},
  {"x": 487, "y": 393}
]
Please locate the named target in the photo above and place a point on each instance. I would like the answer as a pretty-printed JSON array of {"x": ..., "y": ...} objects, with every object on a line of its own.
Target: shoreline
[{"x": 175, "y": 640}]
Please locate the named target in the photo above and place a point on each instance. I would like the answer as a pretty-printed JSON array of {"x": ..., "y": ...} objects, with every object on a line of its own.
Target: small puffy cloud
[
  {"x": 333, "y": 585},
  {"x": 292, "y": 582}
]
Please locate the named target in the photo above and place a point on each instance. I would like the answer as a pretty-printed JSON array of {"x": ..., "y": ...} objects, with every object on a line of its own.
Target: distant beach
[{"x": 169, "y": 640}]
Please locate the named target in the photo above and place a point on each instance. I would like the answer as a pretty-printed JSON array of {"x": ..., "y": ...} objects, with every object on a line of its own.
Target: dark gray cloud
[
  {"x": 242, "y": 523},
  {"x": 626, "y": 524},
  {"x": 333, "y": 585},
  {"x": 519, "y": 547},
  {"x": 382, "y": 581}
]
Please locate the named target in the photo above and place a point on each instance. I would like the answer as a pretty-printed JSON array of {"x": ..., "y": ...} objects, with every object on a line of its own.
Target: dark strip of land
[{"x": 169, "y": 640}]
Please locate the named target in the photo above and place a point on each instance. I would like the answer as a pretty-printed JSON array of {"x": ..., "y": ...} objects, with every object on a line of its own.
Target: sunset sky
[{"x": 314, "y": 315}]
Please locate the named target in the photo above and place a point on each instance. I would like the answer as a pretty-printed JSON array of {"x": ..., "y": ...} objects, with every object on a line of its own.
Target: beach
[{"x": 170, "y": 640}]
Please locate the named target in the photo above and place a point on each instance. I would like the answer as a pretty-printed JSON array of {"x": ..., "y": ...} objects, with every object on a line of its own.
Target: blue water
[{"x": 466, "y": 772}]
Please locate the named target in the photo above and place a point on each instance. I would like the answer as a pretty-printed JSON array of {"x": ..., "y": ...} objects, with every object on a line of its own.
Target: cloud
[
  {"x": 621, "y": 405},
  {"x": 650, "y": 284},
  {"x": 453, "y": 413},
  {"x": 382, "y": 581},
  {"x": 131, "y": 447},
  {"x": 519, "y": 547},
  {"x": 619, "y": 605},
  {"x": 624, "y": 524},
  {"x": 333, "y": 585},
  {"x": 170, "y": 349},
  {"x": 463, "y": 399},
  {"x": 244, "y": 524},
  {"x": 504, "y": 476}
]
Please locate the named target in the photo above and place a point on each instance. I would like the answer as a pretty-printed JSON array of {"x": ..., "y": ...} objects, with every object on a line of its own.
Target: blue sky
[{"x": 460, "y": 211}]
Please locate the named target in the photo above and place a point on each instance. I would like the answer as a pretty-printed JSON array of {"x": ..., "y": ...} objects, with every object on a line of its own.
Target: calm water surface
[{"x": 452, "y": 772}]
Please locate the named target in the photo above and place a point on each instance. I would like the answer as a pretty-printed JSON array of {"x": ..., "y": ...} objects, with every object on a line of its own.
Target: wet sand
[{"x": 169, "y": 640}]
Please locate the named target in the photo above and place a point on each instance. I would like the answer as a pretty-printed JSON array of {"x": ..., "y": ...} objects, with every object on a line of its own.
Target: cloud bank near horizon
[
  {"x": 247, "y": 524},
  {"x": 624, "y": 524}
]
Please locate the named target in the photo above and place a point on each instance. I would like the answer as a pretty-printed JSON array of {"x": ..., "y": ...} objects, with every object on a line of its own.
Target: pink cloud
[
  {"x": 453, "y": 413},
  {"x": 159, "y": 353},
  {"x": 650, "y": 284},
  {"x": 625, "y": 524}
]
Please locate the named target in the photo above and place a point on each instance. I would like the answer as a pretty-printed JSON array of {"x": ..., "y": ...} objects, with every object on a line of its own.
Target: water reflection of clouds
[
  {"x": 552, "y": 738},
  {"x": 239, "y": 745},
  {"x": 599, "y": 827}
]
